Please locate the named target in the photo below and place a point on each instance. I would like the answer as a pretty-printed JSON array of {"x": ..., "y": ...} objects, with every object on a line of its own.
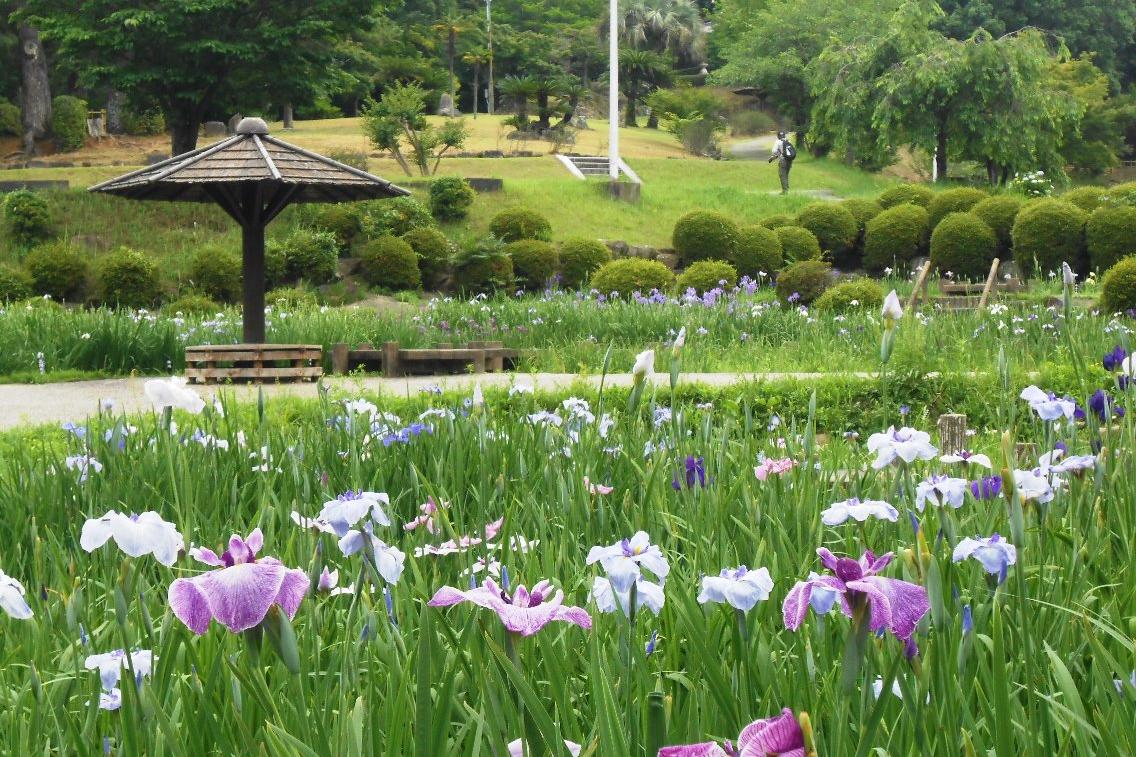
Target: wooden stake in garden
[{"x": 952, "y": 432}]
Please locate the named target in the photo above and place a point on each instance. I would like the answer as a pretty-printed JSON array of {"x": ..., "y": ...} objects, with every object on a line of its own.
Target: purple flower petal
[{"x": 778, "y": 735}]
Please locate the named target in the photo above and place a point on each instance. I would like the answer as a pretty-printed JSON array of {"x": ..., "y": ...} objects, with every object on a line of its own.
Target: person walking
[{"x": 784, "y": 153}]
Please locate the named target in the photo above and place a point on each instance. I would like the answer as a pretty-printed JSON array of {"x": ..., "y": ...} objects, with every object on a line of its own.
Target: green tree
[
  {"x": 397, "y": 124},
  {"x": 193, "y": 57},
  {"x": 672, "y": 27},
  {"x": 641, "y": 72}
]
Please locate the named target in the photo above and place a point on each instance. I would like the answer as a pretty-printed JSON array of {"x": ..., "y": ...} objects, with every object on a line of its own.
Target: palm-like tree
[
  {"x": 449, "y": 28},
  {"x": 477, "y": 58},
  {"x": 664, "y": 26},
  {"x": 519, "y": 89},
  {"x": 640, "y": 72}
]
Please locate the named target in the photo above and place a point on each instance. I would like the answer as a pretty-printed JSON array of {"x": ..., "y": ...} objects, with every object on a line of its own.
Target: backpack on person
[{"x": 788, "y": 152}]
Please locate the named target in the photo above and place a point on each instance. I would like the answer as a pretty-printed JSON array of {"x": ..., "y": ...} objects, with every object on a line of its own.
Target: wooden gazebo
[{"x": 253, "y": 177}]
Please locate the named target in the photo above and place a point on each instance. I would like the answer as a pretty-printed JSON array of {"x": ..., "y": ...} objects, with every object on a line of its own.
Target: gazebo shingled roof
[{"x": 253, "y": 177}]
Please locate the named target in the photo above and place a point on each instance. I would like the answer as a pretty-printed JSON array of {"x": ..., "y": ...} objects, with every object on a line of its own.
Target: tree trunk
[
  {"x": 451, "y": 51},
  {"x": 941, "y": 154},
  {"x": 542, "y": 113},
  {"x": 116, "y": 109},
  {"x": 629, "y": 119},
  {"x": 35, "y": 91},
  {"x": 289, "y": 116},
  {"x": 652, "y": 120},
  {"x": 183, "y": 133},
  {"x": 991, "y": 172},
  {"x": 476, "y": 85}
]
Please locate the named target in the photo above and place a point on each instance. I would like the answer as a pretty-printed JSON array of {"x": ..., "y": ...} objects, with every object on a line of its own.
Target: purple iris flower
[
  {"x": 243, "y": 590},
  {"x": 1104, "y": 406},
  {"x": 524, "y": 612},
  {"x": 987, "y": 487},
  {"x": 780, "y": 735},
  {"x": 1113, "y": 359},
  {"x": 895, "y": 605},
  {"x": 695, "y": 473}
]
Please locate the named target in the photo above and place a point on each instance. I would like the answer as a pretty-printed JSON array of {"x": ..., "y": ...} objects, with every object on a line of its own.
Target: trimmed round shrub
[
  {"x": 964, "y": 245},
  {"x": 1087, "y": 199},
  {"x": 854, "y": 294},
  {"x": 958, "y": 200},
  {"x": 451, "y": 198},
  {"x": 290, "y": 298},
  {"x": 579, "y": 257},
  {"x": 520, "y": 223},
  {"x": 708, "y": 274},
  {"x": 797, "y": 244},
  {"x": 1118, "y": 287},
  {"x": 192, "y": 304},
  {"x": 27, "y": 219},
  {"x": 310, "y": 255},
  {"x": 998, "y": 212},
  {"x": 629, "y": 275},
  {"x": 15, "y": 283},
  {"x": 10, "y": 119},
  {"x": 128, "y": 278},
  {"x": 534, "y": 262},
  {"x": 777, "y": 220},
  {"x": 69, "y": 123},
  {"x": 703, "y": 235},
  {"x": 344, "y": 220},
  {"x": 758, "y": 251},
  {"x": 895, "y": 237},
  {"x": 395, "y": 217},
  {"x": 485, "y": 268},
  {"x": 803, "y": 282},
  {"x": 836, "y": 231},
  {"x": 1110, "y": 235},
  {"x": 1121, "y": 194},
  {"x": 435, "y": 255},
  {"x": 57, "y": 270},
  {"x": 905, "y": 194},
  {"x": 390, "y": 263},
  {"x": 1048, "y": 233},
  {"x": 216, "y": 273},
  {"x": 862, "y": 210}
]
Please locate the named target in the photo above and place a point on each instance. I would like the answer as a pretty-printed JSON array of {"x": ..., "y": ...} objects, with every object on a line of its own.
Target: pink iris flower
[
  {"x": 770, "y": 466},
  {"x": 525, "y": 612},
  {"x": 780, "y": 735}
]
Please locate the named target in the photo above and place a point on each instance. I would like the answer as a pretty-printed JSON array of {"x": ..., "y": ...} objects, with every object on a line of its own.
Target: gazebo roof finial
[{"x": 252, "y": 126}]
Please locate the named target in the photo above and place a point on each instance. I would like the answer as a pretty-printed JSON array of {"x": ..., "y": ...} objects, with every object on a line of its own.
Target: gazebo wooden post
[{"x": 252, "y": 263}]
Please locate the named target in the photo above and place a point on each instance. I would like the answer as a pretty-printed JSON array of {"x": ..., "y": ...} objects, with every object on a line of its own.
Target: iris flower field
[{"x": 613, "y": 573}]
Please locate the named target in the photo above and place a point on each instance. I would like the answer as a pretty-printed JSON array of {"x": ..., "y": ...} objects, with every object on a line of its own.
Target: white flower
[
  {"x": 173, "y": 393},
  {"x": 644, "y": 365},
  {"x": 1031, "y": 485},
  {"x": 349, "y": 508},
  {"x": 680, "y": 340},
  {"x": 839, "y": 512},
  {"x": 740, "y": 588},
  {"x": 892, "y": 310},
  {"x": 624, "y": 559},
  {"x": 520, "y": 389},
  {"x": 970, "y": 459},
  {"x": 1067, "y": 275},
  {"x": 906, "y": 444},
  {"x": 995, "y": 553},
  {"x": 360, "y": 407},
  {"x": 12, "y": 598},
  {"x": 136, "y": 535},
  {"x": 110, "y": 665},
  {"x": 388, "y": 560},
  {"x": 478, "y": 398},
  {"x": 85, "y": 464},
  {"x": 608, "y": 598},
  {"x": 1048, "y": 406},
  {"x": 939, "y": 491},
  {"x": 316, "y": 524}
]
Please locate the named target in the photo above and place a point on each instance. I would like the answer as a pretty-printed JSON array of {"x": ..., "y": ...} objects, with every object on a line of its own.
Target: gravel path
[{"x": 29, "y": 404}]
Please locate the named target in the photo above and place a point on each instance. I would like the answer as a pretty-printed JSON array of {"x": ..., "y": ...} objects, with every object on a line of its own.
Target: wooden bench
[
  {"x": 962, "y": 295},
  {"x": 254, "y": 363},
  {"x": 394, "y": 361}
]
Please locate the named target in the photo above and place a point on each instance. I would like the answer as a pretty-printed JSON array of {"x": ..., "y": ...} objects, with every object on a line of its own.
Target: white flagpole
[{"x": 613, "y": 90}]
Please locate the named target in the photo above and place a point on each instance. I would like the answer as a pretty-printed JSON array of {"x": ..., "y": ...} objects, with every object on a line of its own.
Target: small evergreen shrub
[
  {"x": 310, "y": 255},
  {"x": 629, "y": 275},
  {"x": 777, "y": 220},
  {"x": 15, "y": 283},
  {"x": 999, "y": 212},
  {"x": 905, "y": 194},
  {"x": 275, "y": 264},
  {"x": 862, "y": 210},
  {"x": 1118, "y": 287},
  {"x": 27, "y": 219},
  {"x": 520, "y": 223},
  {"x": 485, "y": 267},
  {"x": 1048, "y": 233},
  {"x": 704, "y": 234},
  {"x": 579, "y": 257},
  {"x": 963, "y": 244},
  {"x": 10, "y": 119},
  {"x": 895, "y": 237},
  {"x": 216, "y": 273},
  {"x": 290, "y": 298},
  {"x": 451, "y": 198},
  {"x": 128, "y": 278},
  {"x": 1110, "y": 235},
  {"x": 854, "y": 294},
  {"x": 758, "y": 251},
  {"x": 58, "y": 270},
  {"x": 192, "y": 304},
  {"x": 69, "y": 123},
  {"x": 958, "y": 200},
  {"x": 803, "y": 282},
  {"x": 708, "y": 274},
  {"x": 147, "y": 123},
  {"x": 390, "y": 263},
  {"x": 836, "y": 231},
  {"x": 534, "y": 263},
  {"x": 435, "y": 255},
  {"x": 1087, "y": 199},
  {"x": 797, "y": 244},
  {"x": 344, "y": 220},
  {"x": 395, "y": 217}
]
